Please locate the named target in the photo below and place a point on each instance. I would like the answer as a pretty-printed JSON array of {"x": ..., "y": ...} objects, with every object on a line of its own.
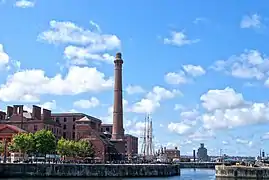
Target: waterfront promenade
[{"x": 88, "y": 170}]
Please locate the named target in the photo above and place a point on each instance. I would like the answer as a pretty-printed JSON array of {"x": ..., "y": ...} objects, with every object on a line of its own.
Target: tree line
[{"x": 44, "y": 142}]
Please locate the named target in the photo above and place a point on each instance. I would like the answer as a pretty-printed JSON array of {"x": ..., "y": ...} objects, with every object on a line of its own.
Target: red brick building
[
  {"x": 72, "y": 126},
  {"x": 68, "y": 123},
  {"x": 131, "y": 145},
  {"x": 131, "y": 142},
  {"x": 31, "y": 121},
  {"x": 87, "y": 130},
  {"x": 7, "y": 132}
]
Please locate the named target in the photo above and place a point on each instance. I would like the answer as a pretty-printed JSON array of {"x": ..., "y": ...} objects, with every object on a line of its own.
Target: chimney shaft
[
  {"x": 36, "y": 112},
  {"x": 118, "y": 131},
  {"x": 9, "y": 111},
  {"x": 15, "y": 109},
  {"x": 46, "y": 114},
  {"x": 194, "y": 156}
]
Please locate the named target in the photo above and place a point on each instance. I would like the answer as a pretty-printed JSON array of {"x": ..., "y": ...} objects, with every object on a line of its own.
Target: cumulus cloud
[
  {"x": 82, "y": 44},
  {"x": 251, "y": 21},
  {"x": 152, "y": 100},
  {"x": 28, "y": 85},
  {"x": 194, "y": 70},
  {"x": 176, "y": 78},
  {"x": 228, "y": 109},
  {"x": 85, "y": 104},
  {"x": 221, "y": 99},
  {"x": 251, "y": 64},
  {"x": 4, "y": 58},
  {"x": 183, "y": 77},
  {"x": 179, "y": 39},
  {"x": 24, "y": 4},
  {"x": 134, "y": 89}
]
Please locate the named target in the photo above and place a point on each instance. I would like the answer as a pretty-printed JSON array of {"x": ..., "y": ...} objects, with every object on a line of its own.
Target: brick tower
[{"x": 118, "y": 131}]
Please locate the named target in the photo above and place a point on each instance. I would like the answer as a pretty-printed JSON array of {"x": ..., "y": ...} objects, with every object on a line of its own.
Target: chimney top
[{"x": 118, "y": 55}]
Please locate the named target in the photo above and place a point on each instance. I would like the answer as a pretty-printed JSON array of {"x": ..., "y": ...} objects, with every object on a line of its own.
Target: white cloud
[
  {"x": 179, "y": 39},
  {"x": 225, "y": 142},
  {"x": 201, "y": 134},
  {"x": 85, "y": 104},
  {"x": 34, "y": 82},
  {"x": 4, "y": 58},
  {"x": 253, "y": 21},
  {"x": 244, "y": 142},
  {"x": 229, "y": 110},
  {"x": 221, "y": 99},
  {"x": 251, "y": 64},
  {"x": 51, "y": 105},
  {"x": 179, "y": 107},
  {"x": 192, "y": 115},
  {"x": 24, "y": 4},
  {"x": 80, "y": 55},
  {"x": 194, "y": 70},
  {"x": 199, "y": 19},
  {"x": 176, "y": 78},
  {"x": 97, "y": 27},
  {"x": 265, "y": 136},
  {"x": 83, "y": 44},
  {"x": 134, "y": 89},
  {"x": 153, "y": 99},
  {"x": 180, "y": 128},
  {"x": 134, "y": 127}
]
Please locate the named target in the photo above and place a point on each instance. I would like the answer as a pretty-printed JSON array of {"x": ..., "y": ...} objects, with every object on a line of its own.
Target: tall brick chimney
[
  {"x": 117, "y": 131},
  {"x": 20, "y": 109},
  {"x": 36, "y": 112},
  {"x": 9, "y": 111},
  {"x": 46, "y": 114},
  {"x": 15, "y": 109}
]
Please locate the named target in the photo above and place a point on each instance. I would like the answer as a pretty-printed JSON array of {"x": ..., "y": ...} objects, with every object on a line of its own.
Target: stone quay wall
[
  {"x": 199, "y": 165},
  {"x": 88, "y": 170},
  {"x": 243, "y": 172}
]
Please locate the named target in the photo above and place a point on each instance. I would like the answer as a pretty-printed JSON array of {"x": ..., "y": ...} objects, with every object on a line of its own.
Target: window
[
  {"x": 107, "y": 129},
  {"x": 74, "y": 126},
  {"x": 74, "y": 119},
  {"x": 57, "y": 119},
  {"x": 74, "y": 135},
  {"x": 35, "y": 127},
  {"x": 64, "y": 119},
  {"x": 64, "y": 126},
  {"x": 64, "y": 135}
]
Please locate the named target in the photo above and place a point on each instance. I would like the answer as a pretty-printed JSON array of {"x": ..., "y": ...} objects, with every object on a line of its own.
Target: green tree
[
  {"x": 23, "y": 143},
  {"x": 2, "y": 147},
  {"x": 45, "y": 142},
  {"x": 85, "y": 149},
  {"x": 63, "y": 147},
  {"x": 80, "y": 148}
]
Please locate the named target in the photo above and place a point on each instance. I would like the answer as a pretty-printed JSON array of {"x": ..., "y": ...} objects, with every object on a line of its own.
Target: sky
[{"x": 199, "y": 68}]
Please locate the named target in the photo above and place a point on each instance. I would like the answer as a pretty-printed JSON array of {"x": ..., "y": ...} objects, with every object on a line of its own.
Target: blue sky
[{"x": 199, "y": 68}]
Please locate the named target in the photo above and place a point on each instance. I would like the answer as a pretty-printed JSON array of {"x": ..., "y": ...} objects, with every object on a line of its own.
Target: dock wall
[
  {"x": 199, "y": 165},
  {"x": 243, "y": 172},
  {"x": 88, "y": 170}
]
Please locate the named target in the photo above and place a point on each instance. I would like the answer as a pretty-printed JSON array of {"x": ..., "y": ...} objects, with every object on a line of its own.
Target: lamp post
[{"x": 5, "y": 150}]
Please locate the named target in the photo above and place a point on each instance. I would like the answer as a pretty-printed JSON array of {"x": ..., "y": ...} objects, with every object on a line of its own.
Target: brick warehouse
[{"x": 109, "y": 144}]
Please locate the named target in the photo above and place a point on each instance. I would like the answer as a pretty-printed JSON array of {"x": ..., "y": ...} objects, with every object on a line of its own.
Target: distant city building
[
  {"x": 169, "y": 154},
  {"x": 202, "y": 153}
]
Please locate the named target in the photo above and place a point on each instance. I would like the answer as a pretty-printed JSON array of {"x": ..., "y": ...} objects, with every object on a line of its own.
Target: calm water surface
[{"x": 186, "y": 174}]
